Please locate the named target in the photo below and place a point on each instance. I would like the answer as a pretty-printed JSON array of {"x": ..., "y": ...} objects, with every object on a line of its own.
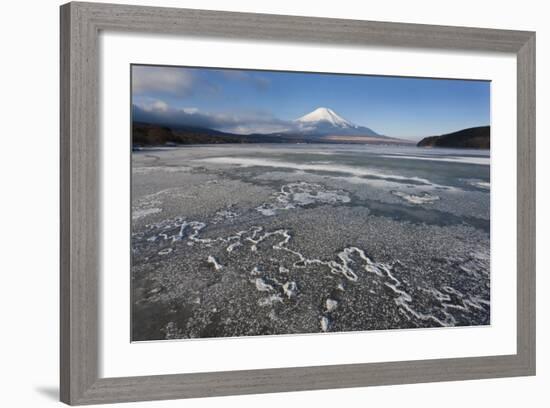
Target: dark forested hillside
[{"x": 471, "y": 138}]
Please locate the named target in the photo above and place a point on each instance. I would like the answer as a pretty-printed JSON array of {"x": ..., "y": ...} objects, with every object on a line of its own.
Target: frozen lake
[{"x": 239, "y": 240}]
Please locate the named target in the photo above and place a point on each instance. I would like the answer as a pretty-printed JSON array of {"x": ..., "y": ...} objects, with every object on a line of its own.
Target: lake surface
[{"x": 239, "y": 240}]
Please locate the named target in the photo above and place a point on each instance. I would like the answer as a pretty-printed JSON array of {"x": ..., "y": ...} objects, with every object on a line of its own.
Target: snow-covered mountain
[
  {"x": 325, "y": 115},
  {"x": 324, "y": 121}
]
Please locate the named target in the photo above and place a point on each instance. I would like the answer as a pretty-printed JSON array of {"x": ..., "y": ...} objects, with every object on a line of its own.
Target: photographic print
[{"x": 271, "y": 202}]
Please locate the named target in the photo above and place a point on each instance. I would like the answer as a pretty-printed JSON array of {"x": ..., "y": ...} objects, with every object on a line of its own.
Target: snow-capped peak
[{"x": 325, "y": 115}]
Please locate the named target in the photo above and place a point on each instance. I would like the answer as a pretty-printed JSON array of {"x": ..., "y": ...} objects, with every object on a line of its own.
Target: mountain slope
[
  {"x": 325, "y": 115},
  {"x": 472, "y": 138},
  {"x": 147, "y": 134},
  {"x": 322, "y": 125},
  {"x": 324, "y": 121}
]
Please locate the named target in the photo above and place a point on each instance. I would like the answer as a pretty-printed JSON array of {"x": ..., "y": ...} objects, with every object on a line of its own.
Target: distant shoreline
[
  {"x": 197, "y": 145},
  {"x": 147, "y": 134},
  {"x": 471, "y": 138}
]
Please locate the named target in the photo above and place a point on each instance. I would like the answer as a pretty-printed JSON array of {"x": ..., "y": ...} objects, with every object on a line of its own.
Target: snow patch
[
  {"x": 212, "y": 261},
  {"x": 326, "y": 115},
  {"x": 325, "y": 323},
  {"x": 137, "y": 214},
  {"x": 485, "y": 185},
  {"x": 262, "y": 285},
  {"x": 331, "y": 305},
  {"x": 290, "y": 289},
  {"x": 270, "y": 300},
  {"x": 301, "y": 194},
  {"x": 422, "y": 198}
]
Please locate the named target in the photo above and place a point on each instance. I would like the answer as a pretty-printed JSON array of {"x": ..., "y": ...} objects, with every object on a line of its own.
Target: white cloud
[
  {"x": 154, "y": 105},
  {"x": 160, "y": 106},
  {"x": 158, "y": 112}
]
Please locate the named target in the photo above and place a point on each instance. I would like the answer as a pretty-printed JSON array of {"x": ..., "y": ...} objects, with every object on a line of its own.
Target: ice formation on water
[
  {"x": 262, "y": 286},
  {"x": 349, "y": 265},
  {"x": 224, "y": 215},
  {"x": 300, "y": 195},
  {"x": 333, "y": 168},
  {"x": 422, "y": 198},
  {"x": 484, "y": 185},
  {"x": 137, "y": 214},
  {"x": 256, "y": 271},
  {"x": 483, "y": 161},
  {"x": 166, "y": 169},
  {"x": 331, "y": 305},
  {"x": 270, "y": 300},
  {"x": 290, "y": 289},
  {"x": 212, "y": 261},
  {"x": 325, "y": 323},
  {"x": 151, "y": 204},
  {"x": 148, "y": 205}
]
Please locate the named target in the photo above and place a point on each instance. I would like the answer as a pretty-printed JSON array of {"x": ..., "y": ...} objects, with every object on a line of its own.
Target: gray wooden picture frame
[{"x": 81, "y": 24}]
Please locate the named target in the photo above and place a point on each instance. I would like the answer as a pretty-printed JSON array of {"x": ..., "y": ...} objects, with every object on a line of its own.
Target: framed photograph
[{"x": 261, "y": 203}]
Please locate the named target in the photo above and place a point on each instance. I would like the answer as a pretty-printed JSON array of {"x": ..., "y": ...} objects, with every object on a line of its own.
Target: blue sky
[{"x": 244, "y": 101}]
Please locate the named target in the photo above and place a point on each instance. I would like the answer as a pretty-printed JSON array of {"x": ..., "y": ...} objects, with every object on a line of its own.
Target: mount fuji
[
  {"x": 322, "y": 125},
  {"x": 324, "y": 121}
]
